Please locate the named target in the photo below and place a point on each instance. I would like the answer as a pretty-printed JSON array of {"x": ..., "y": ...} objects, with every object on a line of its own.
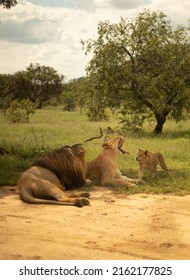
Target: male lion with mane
[
  {"x": 150, "y": 160},
  {"x": 53, "y": 173},
  {"x": 104, "y": 167}
]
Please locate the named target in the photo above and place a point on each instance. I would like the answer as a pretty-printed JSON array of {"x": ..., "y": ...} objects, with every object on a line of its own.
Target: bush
[
  {"x": 20, "y": 111},
  {"x": 97, "y": 114}
]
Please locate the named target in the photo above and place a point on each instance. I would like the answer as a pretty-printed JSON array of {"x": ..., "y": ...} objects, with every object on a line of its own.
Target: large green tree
[
  {"x": 7, "y": 4},
  {"x": 38, "y": 83},
  {"x": 141, "y": 65},
  {"x": 45, "y": 83}
]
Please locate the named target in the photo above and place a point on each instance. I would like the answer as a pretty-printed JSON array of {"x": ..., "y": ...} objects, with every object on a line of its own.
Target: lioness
[
  {"x": 104, "y": 167},
  {"x": 149, "y": 160},
  {"x": 53, "y": 173}
]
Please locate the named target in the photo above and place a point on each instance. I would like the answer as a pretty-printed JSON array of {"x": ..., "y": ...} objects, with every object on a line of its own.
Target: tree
[
  {"x": 37, "y": 83},
  {"x": 7, "y": 4},
  {"x": 5, "y": 97},
  {"x": 45, "y": 83},
  {"x": 93, "y": 99},
  {"x": 142, "y": 66},
  {"x": 71, "y": 94}
]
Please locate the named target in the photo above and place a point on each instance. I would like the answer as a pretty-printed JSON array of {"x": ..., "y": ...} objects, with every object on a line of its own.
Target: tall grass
[{"x": 52, "y": 128}]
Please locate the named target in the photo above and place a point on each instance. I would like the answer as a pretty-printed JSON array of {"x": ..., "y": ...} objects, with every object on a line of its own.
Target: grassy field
[{"x": 52, "y": 128}]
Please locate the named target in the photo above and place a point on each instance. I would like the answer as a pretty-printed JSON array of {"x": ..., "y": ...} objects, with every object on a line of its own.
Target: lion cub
[{"x": 150, "y": 160}]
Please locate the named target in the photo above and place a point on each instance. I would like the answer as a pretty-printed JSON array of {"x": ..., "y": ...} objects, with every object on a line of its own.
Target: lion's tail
[
  {"x": 162, "y": 162},
  {"x": 27, "y": 197}
]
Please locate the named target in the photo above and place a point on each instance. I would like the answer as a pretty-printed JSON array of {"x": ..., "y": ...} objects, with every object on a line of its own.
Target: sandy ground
[{"x": 112, "y": 227}]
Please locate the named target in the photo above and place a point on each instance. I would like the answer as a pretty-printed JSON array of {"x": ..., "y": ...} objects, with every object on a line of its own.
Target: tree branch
[
  {"x": 96, "y": 137},
  {"x": 129, "y": 54}
]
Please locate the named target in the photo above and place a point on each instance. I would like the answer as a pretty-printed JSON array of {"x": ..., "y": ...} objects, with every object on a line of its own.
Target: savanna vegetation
[
  {"x": 138, "y": 82},
  {"x": 142, "y": 66},
  {"x": 50, "y": 128},
  {"x": 139, "y": 67}
]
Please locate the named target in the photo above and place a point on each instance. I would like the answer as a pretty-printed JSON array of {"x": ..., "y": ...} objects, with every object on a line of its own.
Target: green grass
[{"x": 52, "y": 128}]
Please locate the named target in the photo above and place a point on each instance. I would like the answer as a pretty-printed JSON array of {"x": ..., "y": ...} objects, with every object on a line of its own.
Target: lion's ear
[
  {"x": 79, "y": 148},
  {"x": 146, "y": 152},
  {"x": 106, "y": 145},
  {"x": 81, "y": 152}
]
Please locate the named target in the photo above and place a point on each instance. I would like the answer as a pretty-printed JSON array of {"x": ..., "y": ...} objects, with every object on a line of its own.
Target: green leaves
[
  {"x": 142, "y": 60},
  {"x": 20, "y": 111},
  {"x": 38, "y": 83}
]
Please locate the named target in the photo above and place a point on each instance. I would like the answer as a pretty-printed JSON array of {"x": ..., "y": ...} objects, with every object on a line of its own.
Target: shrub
[
  {"x": 97, "y": 114},
  {"x": 20, "y": 111}
]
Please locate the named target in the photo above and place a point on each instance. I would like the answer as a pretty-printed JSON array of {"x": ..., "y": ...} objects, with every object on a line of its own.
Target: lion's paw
[
  {"x": 85, "y": 194},
  {"x": 80, "y": 202},
  {"x": 85, "y": 201},
  {"x": 132, "y": 185},
  {"x": 140, "y": 181}
]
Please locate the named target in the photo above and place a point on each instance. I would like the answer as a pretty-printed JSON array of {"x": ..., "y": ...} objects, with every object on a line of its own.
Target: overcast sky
[{"x": 49, "y": 31}]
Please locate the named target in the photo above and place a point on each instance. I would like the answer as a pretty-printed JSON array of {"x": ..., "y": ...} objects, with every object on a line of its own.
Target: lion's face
[
  {"x": 141, "y": 155},
  {"x": 115, "y": 145}
]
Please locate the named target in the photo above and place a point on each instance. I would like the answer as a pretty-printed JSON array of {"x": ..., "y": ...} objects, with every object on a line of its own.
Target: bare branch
[{"x": 96, "y": 137}]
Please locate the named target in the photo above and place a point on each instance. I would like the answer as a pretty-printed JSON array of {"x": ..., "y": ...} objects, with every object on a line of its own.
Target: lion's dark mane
[{"x": 67, "y": 163}]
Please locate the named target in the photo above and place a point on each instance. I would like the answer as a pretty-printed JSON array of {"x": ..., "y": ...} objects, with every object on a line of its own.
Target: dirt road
[{"x": 113, "y": 227}]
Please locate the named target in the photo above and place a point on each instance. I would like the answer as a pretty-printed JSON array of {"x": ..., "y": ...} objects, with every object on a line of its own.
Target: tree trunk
[
  {"x": 39, "y": 105},
  {"x": 160, "y": 122}
]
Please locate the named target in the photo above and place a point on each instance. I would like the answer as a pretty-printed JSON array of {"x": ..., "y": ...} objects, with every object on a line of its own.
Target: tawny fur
[
  {"x": 104, "y": 167},
  {"x": 150, "y": 160},
  {"x": 53, "y": 173}
]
